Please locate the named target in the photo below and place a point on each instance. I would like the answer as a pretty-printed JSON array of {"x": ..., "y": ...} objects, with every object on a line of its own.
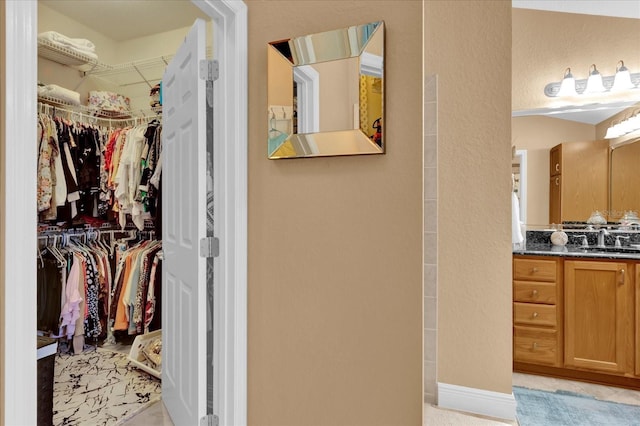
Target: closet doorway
[{"x": 229, "y": 179}]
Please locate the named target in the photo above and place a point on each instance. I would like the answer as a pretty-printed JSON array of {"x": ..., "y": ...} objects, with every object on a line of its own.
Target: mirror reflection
[
  {"x": 326, "y": 93},
  {"x": 625, "y": 180}
]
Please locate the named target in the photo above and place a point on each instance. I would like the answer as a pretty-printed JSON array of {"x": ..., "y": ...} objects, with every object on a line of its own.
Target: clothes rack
[{"x": 86, "y": 114}]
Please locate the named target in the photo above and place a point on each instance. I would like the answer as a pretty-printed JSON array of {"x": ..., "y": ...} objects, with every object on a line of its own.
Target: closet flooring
[{"x": 155, "y": 415}]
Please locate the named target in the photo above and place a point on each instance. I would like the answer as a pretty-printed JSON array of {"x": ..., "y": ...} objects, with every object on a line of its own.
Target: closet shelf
[
  {"x": 146, "y": 71},
  {"x": 158, "y": 63},
  {"x": 144, "y": 64},
  {"x": 141, "y": 71},
  {"x": 66, "y": 56},
  {"x": 48, "y": 103}
]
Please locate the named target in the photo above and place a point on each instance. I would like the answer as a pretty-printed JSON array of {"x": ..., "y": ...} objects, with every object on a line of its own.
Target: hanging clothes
[
  {"x": 80, "y": 294},
  {"x": 130, "y": 294},
  {"x": 86, "y": 171}
]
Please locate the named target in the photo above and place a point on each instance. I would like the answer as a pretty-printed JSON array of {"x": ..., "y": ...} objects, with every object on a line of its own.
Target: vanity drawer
[
  {"x": 534, "y": 314},
  {"x": 535, "y": 345},
  {"x": 534, "y": 292},
  {"x": 534, "y": 269}
]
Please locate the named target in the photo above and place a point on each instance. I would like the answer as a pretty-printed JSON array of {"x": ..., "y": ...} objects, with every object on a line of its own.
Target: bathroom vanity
[{"x": 576, "y": 312}]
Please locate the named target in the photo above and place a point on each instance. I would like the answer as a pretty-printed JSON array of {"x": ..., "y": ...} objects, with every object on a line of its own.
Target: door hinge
[
  {"x": 209, "y": 69},
  {"x": 209, "y": 247},
  {"x": 210, "y": 420}
]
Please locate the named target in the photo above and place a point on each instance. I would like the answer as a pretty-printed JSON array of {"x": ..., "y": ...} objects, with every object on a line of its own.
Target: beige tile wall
[{"x": 430, "y": 237}]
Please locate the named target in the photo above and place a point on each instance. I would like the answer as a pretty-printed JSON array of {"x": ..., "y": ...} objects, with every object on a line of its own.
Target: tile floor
[{"x": 433, "y": 416}]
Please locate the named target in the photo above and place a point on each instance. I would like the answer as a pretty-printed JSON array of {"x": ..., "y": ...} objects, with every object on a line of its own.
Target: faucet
[
  {"x": 601, "y": 234},
  {"x": 585, "y": 242},
  {"x": 618, "y": 243}
]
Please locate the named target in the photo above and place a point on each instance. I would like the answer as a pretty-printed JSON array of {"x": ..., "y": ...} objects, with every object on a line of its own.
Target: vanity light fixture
[
  {"x": 613, "y": 131},
  {"x": 628, "y": 125},
  {"x": 595, "y": 83}
]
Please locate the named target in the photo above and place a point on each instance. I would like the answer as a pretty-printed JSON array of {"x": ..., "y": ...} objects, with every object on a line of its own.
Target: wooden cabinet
[
  {"x": 599, "y": 318},
  {"x": 555, "y": 198},
  {"x": 555, "y": 157},
  {"x": 637, "y": 319},
  {"x": 537, "y": 331},
  {"x": 577, "y": 318},
  {"x": 578, "y": 183}
]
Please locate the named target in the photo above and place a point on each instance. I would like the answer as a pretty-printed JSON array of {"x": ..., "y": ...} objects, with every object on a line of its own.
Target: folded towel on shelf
[
  {"x": 58, "y": 93},
  {"x": 76, "y": 43},
  {"x": 80, "y": 46}
]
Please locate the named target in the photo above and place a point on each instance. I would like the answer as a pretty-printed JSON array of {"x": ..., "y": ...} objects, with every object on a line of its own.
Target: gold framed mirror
[{"x": 326, "y": 93}]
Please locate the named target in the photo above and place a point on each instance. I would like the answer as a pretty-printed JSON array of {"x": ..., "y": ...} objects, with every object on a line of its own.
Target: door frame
[{"x": 18, "y": 341}]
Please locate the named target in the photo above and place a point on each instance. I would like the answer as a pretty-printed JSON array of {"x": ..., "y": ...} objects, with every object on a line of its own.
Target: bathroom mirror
[
  {"x": 624, "y": 183},
  {"x": 326, "y": 93}
]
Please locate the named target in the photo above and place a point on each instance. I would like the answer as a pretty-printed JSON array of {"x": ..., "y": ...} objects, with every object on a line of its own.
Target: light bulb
[
  {"x": 613, "y": 131},
  {"x": 622, "y": 80},
  {"x": 594, "y": 82},
  {"x": 568, "y": 84}
]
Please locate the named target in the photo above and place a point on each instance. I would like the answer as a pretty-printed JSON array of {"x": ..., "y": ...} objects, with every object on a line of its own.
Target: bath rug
[{"x": 563, "y": 408}]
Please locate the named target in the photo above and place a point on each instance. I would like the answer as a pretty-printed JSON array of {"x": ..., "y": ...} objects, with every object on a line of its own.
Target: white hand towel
[{"x": 516, "y": 231}]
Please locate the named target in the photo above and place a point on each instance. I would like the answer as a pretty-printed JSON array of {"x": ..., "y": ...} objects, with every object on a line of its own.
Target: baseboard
[{"x": 477, "y": 401}]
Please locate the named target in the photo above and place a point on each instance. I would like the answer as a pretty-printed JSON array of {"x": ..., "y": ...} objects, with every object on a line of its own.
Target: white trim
[
  {"x": 371, "y": 64},
  {"x": 308, "y": 80},
  {"x": 478, "y": 401},
  {"x": 230, "y": 209},
  {"x": 20, "y": 239},
  {"x": 230, "y": 118}
]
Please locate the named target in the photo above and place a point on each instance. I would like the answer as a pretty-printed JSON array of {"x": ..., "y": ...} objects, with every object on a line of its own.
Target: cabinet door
[
  {"x": 555, "y": 155},
  {"x": 585, "y": 171},
  {"x": 598, "y": 316},
  {"x": 555, "y": 194},
  {"x": 637, "y": 318}
]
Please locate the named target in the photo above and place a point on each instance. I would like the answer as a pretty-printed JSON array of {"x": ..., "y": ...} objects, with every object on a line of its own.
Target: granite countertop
[{"x": 570, "y": 250}]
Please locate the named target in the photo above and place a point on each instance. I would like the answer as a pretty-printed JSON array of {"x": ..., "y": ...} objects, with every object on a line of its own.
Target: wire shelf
[
  {"x": 66, "y": 56},
  {"x": 49, "y": 105}
]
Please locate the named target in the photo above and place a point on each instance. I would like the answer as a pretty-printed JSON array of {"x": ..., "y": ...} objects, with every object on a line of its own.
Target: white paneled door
[{"x": 184, "y": 295}]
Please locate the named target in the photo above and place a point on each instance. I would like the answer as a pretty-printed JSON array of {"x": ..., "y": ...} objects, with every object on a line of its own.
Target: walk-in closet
[{"x": 100, "y": 155}]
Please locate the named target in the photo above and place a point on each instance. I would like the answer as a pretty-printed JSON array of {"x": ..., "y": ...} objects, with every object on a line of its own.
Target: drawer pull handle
[
  {"x": 557, "y": 181},
  {"x": 534, "y": 293},
  {"x": 534, "y": 270},
  {"x": 557, "y": 167},
  {"x": 535, "y": 315},
  {"x": 621, "y": 276},
  {"x": 534, "y": 346}
]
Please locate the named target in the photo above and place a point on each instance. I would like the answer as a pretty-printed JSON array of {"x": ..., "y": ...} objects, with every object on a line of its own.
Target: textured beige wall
[
  {"x": 538, "y": 135},
  {"x": 545, "y": 43},
  {"x": 467, "y": 39},
  {"x": 2, "y": 197},
  {"x": 335, "y": 244}
]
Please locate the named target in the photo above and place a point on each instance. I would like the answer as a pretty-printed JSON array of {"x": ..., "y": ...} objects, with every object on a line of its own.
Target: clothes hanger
[
  {"x": 40, "y": 258},
  {"x": 53, "y": 249},
  {"x": 98, "y": 241}
]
